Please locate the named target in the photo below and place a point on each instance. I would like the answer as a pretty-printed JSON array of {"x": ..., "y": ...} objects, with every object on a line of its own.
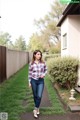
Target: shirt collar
[{"x": 38, "y": 62}]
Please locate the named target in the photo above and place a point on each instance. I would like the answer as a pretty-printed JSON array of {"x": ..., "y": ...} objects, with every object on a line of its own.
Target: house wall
[
  {"x": 71, "y": 26},
  {"x": 64, "y": 29},
  {"x": 74, "y": 35}
]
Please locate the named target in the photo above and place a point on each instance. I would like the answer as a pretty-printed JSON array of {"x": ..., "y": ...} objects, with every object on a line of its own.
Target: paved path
[
  {"x": 45, "y": 99},
  {"x": 68, "y": 116},
  {"x": 46, "y": 103}
]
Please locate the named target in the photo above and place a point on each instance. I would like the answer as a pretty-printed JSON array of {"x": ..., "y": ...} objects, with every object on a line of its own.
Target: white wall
[
  {"x": 74, "y": 35},
  {"x": 71, "y": 26},
  {"x": 64, "y": 29}
]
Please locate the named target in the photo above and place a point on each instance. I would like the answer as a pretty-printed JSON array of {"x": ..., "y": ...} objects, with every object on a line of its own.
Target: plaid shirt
[{"x": 37, "y": 70}]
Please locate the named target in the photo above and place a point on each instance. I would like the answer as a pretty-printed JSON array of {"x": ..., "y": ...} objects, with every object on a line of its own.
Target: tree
[
  {"x": 5, "y": 39},
  {"x": 55, "y": 48},
  {"x": 35, "y": 42},
  {"x": 48, "y": 30},
  {"x": 20, "y": 43},
  {"x": 48, "y": 25}
]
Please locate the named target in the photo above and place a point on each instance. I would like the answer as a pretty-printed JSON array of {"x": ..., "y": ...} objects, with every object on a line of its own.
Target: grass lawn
[
  {"x": 15, "y": 90},
  {"x": 12, "y": 92}
]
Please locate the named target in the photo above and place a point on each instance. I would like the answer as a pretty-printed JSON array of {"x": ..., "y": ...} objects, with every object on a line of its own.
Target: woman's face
[{"x": 38, "y": 56}]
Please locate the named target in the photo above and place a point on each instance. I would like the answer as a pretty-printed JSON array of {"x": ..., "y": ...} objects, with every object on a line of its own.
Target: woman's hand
[
  {"x": 41, "y": 76},
  {"x": 29, "y": 84}
]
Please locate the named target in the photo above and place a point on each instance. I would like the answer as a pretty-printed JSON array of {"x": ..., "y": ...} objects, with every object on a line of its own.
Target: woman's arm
[
  {"x": 45, "y": 71},
  {"x": 29, "y": 73}
]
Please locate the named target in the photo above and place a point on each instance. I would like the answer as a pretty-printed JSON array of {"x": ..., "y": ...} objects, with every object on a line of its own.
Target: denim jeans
[{"x": 37, "y": 89}]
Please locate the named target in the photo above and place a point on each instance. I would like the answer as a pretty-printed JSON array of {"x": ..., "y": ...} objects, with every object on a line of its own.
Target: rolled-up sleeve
[
  {"x": 30, "y": 72},
  {"x": 45, "y": 69}
]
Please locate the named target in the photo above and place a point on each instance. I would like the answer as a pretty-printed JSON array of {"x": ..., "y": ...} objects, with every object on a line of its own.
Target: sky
[{"x": 17, "y": 16}]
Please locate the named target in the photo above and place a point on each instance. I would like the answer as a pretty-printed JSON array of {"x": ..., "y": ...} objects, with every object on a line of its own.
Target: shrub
[
  {"x": 48, "y": 56},
  {"x": 55, "y": 50},
  {"x": 63, "y": 70}
]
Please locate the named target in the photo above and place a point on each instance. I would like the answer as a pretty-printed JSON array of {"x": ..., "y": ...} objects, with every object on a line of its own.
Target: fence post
[{"x": 2, "y": 63}]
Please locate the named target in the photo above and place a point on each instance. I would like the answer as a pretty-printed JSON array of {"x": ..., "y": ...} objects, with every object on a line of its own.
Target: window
[{"x": 65, "y": 41}]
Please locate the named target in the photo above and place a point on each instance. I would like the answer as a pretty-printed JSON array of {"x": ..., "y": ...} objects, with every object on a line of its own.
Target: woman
[{"x": 37, "y": 72}]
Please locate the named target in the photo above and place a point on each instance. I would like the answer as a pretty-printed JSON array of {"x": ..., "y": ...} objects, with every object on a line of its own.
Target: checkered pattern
[{"x": 37, "y": 70}]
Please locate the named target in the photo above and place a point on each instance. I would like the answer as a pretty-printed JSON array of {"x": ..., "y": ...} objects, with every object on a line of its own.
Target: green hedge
[{"x": 63, "y": 70}]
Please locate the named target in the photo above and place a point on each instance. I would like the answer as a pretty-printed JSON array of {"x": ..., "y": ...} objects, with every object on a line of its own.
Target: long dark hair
[{"x": 34, "y": 53}]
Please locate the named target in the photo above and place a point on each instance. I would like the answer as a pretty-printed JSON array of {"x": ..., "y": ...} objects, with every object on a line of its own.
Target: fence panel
[{"x": 15, "y": 60}]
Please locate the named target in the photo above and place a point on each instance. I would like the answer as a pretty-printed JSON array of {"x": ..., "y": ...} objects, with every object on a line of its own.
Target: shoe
[
  {"x": 35, "y": 113},
  {"x": 38, "y": 112}
]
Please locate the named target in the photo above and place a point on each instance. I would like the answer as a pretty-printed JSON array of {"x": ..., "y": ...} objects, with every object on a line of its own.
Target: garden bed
[{"x": 65, "y": 94}]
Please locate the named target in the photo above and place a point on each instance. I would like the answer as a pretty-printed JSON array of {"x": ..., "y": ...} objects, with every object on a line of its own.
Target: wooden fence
[
  {"x": 2, "y": 63},
  {"x": 11, "y": 61}
]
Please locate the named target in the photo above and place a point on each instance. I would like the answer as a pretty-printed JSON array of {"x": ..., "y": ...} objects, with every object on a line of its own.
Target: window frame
[{"x": 64, "y": 38}]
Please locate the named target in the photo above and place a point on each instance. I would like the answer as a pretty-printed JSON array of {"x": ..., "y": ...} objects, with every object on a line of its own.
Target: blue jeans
[{"x": 37, "y": 88}]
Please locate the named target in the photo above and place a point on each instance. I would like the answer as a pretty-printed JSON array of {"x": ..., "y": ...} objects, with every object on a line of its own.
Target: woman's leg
[
  {"x": 34, "y": 89},
  {"x": 37, "y": 88},
  {"x": 40, "y": 88}
]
